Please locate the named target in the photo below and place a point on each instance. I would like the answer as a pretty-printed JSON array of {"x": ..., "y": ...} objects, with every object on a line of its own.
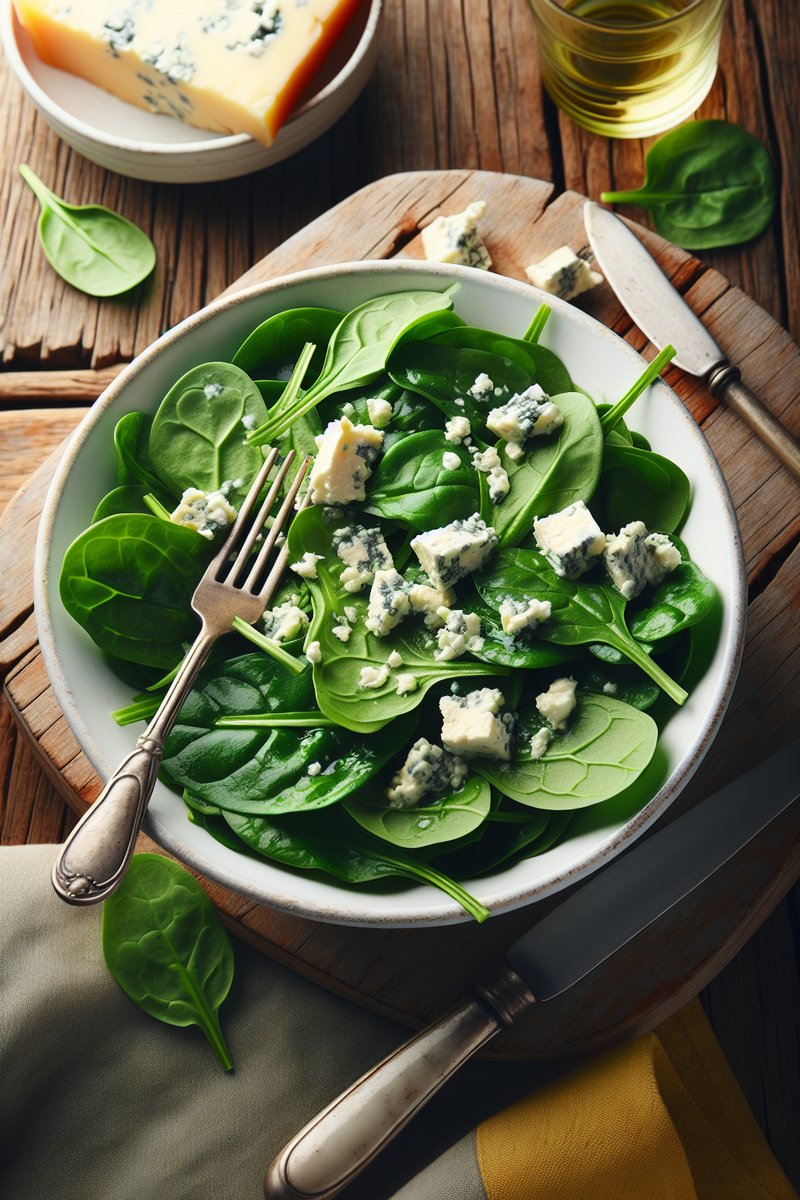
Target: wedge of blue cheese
[
  {"x": 571, "y": 540},
  {"x": 563, "y": 274},
  {"x": 428, "y": 770},
  {"x": 635, "y": 558},
  {"x": 455, "y": 550},
  {"x": 363, "y": 552},
  {"x": 475, "y": 725},
  {"x": 346, "y": 454},
  {"x": 456, "y": 239},
  {"x": 527, "y": 414}
]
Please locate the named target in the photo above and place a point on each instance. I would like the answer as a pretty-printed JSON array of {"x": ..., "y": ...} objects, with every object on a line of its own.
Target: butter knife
[
  {"x": 566, "y": 945},
  {"x": 664, "y": 317}
]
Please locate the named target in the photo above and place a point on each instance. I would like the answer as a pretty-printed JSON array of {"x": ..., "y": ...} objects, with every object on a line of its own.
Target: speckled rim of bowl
[
  {"x": 49, "y": 108},
  {"x": 502, "y": 902}
]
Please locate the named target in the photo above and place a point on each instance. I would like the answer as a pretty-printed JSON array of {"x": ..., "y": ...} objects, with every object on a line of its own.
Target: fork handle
[{"x": 96, "y": 854}]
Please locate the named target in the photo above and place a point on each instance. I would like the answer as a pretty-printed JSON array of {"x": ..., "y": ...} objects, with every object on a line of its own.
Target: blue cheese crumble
[
  {"x": 474, "y": 725},
  {"x": 455, "y": 550},
  {"x": 284, "y": 623},
  {"x": 363, "y": 551},
  {"x": 488, "y": 462},
  {"x": 205, "y": 514},
  {"x": 456, "y": 239},
  {"x": 571, "y": 540},
  {"x": 461, "y": 632},
  {"x": 450, "y": 461},
  {"x": 428, "y": 769},
  {"x": 428, "y": 600},
  {"x": 457, "y": 429},
  {"x": 346, "y": 454},
  {"x": 527, "y": 414},
  {"x": 634, "y": 558},
  {"x": 539, "y": 742},
  {"x": 481, "y": 387},
  {"x": 563, "y": 274},
  {"x": 307, "y": 565},
  {"x": 380, "y": 411},
  {"x": 558, "y": 702},
  {"x": 373, "y": 677},
  {"x": 388, "y": 602},
  {"x": 516, "y": 615}
]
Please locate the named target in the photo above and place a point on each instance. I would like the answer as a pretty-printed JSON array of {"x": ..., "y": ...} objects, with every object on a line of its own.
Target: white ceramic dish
[
  {"x": 597, "y": 359},
  {"x": 151, "y": 146}
]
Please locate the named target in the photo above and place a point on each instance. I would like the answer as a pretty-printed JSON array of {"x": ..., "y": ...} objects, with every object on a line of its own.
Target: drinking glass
[{"x": 628, "y": 68}]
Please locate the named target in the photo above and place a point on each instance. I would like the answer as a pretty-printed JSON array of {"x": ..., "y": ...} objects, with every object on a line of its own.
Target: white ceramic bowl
[
  {"x": 156, "y": 147},
  {"x": 597, "y": 359}
]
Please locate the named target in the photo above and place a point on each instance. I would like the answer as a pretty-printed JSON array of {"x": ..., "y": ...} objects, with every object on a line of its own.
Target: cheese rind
[{"x": 231, "y": 66}]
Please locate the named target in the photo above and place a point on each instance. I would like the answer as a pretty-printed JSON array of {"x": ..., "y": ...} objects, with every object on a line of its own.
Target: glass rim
[{"x": 587, "y": 21}]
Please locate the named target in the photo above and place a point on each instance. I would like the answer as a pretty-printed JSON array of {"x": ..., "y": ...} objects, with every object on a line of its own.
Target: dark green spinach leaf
[
  {"x": 682, "y": 600},
  {"x": 545, "y": 367},
  {"x": 411, "y": 483},
  {"x": 132, "y": 443},
  {"x": 638, "y": 485},
  {"x": 274, "y": 346},
  {"x": 130, "y": 499}
]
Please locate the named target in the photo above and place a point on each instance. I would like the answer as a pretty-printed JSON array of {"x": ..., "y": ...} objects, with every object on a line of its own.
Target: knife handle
[
  {"x": 725, "y": 383},
  {"x": 336, "y": 1145}
]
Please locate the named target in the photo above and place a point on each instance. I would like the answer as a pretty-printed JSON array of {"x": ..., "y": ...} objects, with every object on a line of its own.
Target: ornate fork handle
[{"x": 96, "y": 854}]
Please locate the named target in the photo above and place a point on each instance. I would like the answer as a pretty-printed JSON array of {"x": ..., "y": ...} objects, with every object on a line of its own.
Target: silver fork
[{"x": 96, "y": 854}]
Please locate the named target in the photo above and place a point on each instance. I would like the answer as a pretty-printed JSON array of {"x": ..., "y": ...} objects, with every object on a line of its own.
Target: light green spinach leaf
[{"x": 443, "y": 820}]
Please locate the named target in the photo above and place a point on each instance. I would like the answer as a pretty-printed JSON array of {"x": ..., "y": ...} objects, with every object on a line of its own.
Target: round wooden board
[{"x": 413, "y": 975}]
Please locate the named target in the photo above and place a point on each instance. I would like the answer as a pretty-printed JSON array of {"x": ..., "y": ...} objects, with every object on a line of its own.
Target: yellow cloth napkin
[{"x": 661, "y": 1118}]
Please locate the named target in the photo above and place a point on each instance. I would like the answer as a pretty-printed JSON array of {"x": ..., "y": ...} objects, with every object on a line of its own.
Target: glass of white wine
[{"x": 628, "y": 68}]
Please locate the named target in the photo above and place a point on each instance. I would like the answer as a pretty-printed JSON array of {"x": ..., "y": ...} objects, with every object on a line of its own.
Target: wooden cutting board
[{"x": 413, "y": 975}]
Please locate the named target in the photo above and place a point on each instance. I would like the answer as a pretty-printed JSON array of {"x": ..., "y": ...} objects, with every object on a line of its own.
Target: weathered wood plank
[
  {"x": 19, "y": 388},
  {"x": 26, "y": 440}
]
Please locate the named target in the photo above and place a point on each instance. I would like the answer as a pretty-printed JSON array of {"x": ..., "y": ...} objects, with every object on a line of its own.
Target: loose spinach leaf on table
[
  {"x": 429, "y": 823},
  {"x": 132, "y": 443},
  {"x": 607, "y": 747},
  {"x": 411, "y": 483},
  {"x": 274, "y": 346},
  {"x": 555, "y": 471},
  {"x": 337, "y": 676},
  {"x": 707, "y": 184},
  {"x": 129, "y": 581},
  {"x": 445, "y": 375},
  {"x": 684, "y": 598},
  {"x": 166, "y": 947},
  {"x": 130, "y": 499},
  {"x": 638, "y": 485},
  {"x": 93, "y": 248},
  {"x": 198, "y": 434},
  {"x": 545, "y": 367},
  {"x": 582, "y": 612}
]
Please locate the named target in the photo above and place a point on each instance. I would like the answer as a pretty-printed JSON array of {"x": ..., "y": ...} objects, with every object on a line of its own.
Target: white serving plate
[
  {"x": 598, "y": 360},
  {"x": 153, "y": 146}
]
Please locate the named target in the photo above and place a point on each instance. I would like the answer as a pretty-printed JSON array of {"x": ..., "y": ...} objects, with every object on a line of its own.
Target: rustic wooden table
[{"x": 457, "y": 85}]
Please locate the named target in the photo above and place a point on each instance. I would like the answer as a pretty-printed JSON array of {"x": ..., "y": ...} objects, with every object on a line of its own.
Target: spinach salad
[{"x": 487, "y": 616}]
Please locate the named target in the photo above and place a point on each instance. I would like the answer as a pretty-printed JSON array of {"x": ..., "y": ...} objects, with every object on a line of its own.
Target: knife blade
[
  {"x": 665, "y": 318},
  {"x": 566, "y": 945}
]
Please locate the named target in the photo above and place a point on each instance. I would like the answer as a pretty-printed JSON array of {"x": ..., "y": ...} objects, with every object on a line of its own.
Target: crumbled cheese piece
[
  {"x": 514, "y": 451},
  {"x": 461, "y": 632},
  {"x": 450, "y": 461},
  {"x": 314, "y": 768},
  {"x": 634, "y": 558},
  {"x": 516, "y": 615},
  {"x": 313, "y": 653},
  {"x": 609, "y": 689},
  {"x": 486, "y": 460},
  {"x": 388, "y": 602},
  {"x": 345, "y": 457},
  {"x": 563, "y": 274},
  {"x": 539, "y": 742},
  {"x": 571, "y": 540},
  {"x": 406, "y": 683},
  {"x": 499, "y": 485},
  {"x": 557, "y": 702},
  {"x": 429, "y": 600},
  {"x": 205, "y": 514},
  {"x": 456, "y": 429},
  {"x": 473, "y": 724},
  {"x": 452, "y": 552},
  {"x": 373, "y": 677},
  {"x": 527, "y": 414},
  {"x": 307, "y": 566},
  {"x": 456, "y": 239},
  {"x": 363, "y": 551},
  {"x": 285, "y": 622},
  {"x": 427, "y": 769},
  {"x": 380, "y": 411},
  {"x": 395, "y": 660},
  {"x": 342, "y": 632},
  {"x": 481, "y": 387}
]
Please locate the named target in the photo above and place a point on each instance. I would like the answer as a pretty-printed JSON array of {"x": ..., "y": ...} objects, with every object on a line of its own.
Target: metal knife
[
  {"x": 664, "y": 317},
  {"x": 575, "y": 938}
]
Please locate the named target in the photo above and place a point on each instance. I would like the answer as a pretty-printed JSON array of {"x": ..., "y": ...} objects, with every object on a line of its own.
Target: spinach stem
[
  {"x": 289, "y": 720},
  {"x": 536, "y": 327},
  {"x": 156, "y": 507},
  {"x": 650, "y": 373},
  {"x": 258, "y": 437},
  {"x": 143, "y": 710},
  {"x": 628, "y": 645},
  {"x": 269, "y": 646}
]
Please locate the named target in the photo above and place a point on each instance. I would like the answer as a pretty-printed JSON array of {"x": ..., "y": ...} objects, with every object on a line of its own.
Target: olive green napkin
[{"x": 102, "y": 1101}]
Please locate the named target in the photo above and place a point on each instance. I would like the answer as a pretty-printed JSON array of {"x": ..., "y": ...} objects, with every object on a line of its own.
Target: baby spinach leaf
[
  {"x": 707, "y": 184},
  {"x": 130, "y": 499},
  {"x": 504, "y": 843},
  {"x": 412, "y": 484},
  {"x": 445, "y": 375},
  {"x": 129, "y": 581},
  {"x": 274, "y": 346},
  {"x": 637, "y": 485},
  {"x": 521, "y": 650},
  {"x": 545, "y": 367},
  {"x": 683, "y": 599},
  {"x": 628, "y": 683},
  {"x": 132, "y": 442},
  {"x": 607, "y": 747},
  {"x": 582, "y": 612},
  {"x": 93, "y": 248},
  {"x": 326, "y": 842},
  {"x": 554, "y": 472},
  {"x": 337, "y": 675},
  {"x": 198, "y": 435},
  {"x": 167, "y": 948},
  {"x": 427, "y": 824}
]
